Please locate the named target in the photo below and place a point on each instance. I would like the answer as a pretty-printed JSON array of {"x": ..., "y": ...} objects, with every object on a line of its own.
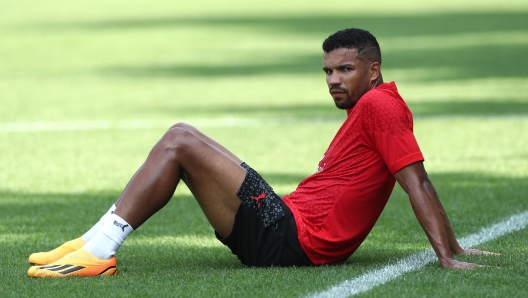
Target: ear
[{"x": 374, "y": 71}]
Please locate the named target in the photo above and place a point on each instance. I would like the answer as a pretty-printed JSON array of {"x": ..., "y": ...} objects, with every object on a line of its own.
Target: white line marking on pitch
[
  {"x": 387, "y": 273},
  {"x": 149, "y": 124}
]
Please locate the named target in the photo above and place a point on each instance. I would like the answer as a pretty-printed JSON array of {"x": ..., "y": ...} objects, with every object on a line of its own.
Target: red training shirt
[{"x": 337, "y": 207}]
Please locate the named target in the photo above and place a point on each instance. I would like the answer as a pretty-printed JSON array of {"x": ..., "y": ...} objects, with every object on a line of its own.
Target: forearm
[
  {"x": 432, "y": 216},
  {"x": 453, "y": 243},
  {"x": 432, "y": 222}
]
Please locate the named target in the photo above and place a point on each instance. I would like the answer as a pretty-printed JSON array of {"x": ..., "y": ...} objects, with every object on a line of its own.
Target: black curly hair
[{"x": 362, "y": 40}]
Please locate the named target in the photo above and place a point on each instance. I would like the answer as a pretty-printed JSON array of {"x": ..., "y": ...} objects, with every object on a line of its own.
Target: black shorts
[{"x": 264, "y": 233}]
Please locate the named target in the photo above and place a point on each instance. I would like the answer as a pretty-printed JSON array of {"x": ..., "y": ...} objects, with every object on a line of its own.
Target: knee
[
  {"x": 175, "y": 142},
  {"x": 184, "y": 126}
]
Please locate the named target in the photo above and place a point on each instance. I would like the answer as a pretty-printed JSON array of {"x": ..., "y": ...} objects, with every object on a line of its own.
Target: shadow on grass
[
  {"x": 322, "y": 25},
  {"x": 466, "y": 63},
  {"x": 74, "y": 213},
  {"x": 477, "y": 61},
  {"x": 472, "y": 201}
]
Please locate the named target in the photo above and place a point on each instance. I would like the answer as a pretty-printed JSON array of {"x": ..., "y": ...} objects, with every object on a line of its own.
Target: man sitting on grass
[{"x": 323, "y": 221}]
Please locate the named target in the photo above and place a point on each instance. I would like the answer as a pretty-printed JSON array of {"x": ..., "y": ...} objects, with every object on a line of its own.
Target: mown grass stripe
[{"x": 391, "y": 271}]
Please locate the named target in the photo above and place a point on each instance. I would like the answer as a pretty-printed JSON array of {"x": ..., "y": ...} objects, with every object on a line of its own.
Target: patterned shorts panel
[{"x": 256, "y": 193}]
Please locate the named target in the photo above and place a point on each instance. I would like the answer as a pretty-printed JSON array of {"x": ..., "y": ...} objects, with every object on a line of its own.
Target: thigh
[
  {"x": 213, "y": 177},
  {"x": 207, "y": 140}
]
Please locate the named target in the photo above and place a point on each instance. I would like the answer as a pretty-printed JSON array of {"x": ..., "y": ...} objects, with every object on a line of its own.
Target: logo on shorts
[
  {"x": 122, "y": 226},
  {"x": 261, "y": 196}
]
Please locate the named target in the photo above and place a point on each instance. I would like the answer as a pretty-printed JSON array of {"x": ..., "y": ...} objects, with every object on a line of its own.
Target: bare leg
[
  {"x": 202, "y": 137},
  {"x": 212, "y": 173}
]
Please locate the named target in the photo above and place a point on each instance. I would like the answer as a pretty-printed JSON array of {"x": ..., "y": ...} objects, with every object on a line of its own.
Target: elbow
[{"x": 412, "y": 177}]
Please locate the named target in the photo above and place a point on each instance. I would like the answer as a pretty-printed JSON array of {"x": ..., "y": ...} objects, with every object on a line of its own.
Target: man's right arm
[{"x": 432, "y": 216}]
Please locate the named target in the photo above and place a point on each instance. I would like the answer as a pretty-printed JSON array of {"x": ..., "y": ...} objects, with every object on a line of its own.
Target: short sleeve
[{"x": 388, "y": 126}]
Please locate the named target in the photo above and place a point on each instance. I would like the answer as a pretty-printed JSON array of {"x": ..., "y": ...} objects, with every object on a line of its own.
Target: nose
[{"x": 333, "y": 79}]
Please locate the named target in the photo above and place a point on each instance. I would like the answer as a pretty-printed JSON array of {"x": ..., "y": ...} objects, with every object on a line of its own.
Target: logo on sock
[{"x": 122, "y": 226}]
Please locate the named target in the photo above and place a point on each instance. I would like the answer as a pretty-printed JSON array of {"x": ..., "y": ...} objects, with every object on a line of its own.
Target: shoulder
[
  {"x": 382, "y": 109},
  {"x": 382, "y": 96}
]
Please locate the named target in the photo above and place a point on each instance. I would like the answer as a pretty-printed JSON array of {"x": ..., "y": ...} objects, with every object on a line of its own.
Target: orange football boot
[
  {"x": 77, "y": 263},
  {"x": 44, "y": 258}
]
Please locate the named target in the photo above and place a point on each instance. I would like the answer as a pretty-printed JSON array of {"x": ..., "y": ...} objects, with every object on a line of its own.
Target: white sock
[
  {"x": 107, "y": 241},
  {"x": 91, "y": 232}
]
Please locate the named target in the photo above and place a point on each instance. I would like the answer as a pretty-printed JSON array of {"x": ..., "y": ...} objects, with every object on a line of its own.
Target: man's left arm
[{"x": 432, "y": 216}]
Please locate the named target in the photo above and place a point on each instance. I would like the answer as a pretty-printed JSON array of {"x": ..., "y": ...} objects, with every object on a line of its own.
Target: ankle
[{"x": 109, "y": 238}]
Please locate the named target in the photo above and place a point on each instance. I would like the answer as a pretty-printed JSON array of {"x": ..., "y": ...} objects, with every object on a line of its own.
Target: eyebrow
[
  {"x": 341, "y": 66},
  {"x": 348, "y": 65}
]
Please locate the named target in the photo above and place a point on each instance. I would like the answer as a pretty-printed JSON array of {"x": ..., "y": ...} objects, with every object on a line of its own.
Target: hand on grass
[{"x": 454, "y": 264}]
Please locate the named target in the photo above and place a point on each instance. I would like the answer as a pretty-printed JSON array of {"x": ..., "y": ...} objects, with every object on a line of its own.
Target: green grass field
[{"x": 86, "y": 89}]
